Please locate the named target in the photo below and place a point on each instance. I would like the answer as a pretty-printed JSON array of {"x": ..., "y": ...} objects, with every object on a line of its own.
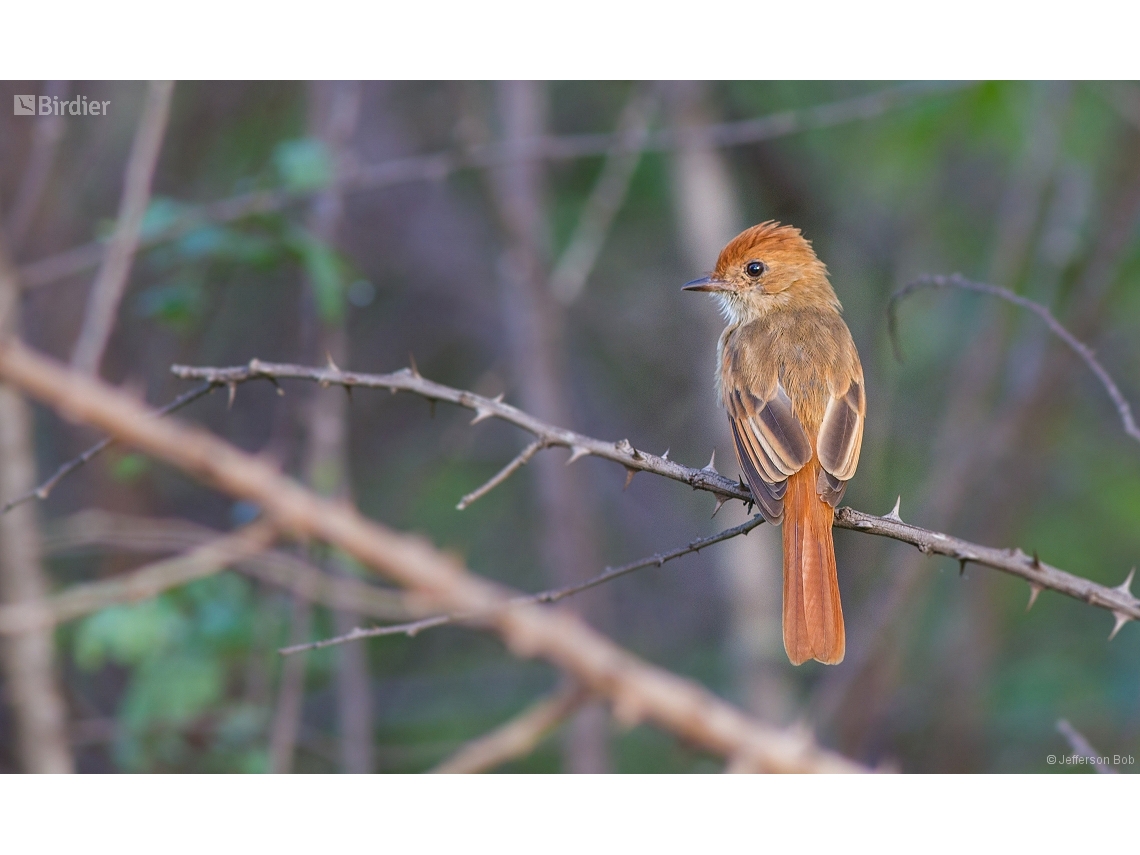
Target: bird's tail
[{"x": 813, "y": 615}]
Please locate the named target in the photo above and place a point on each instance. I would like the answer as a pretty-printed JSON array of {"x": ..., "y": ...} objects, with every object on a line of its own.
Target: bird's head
[{"x": 766, "y": 268}]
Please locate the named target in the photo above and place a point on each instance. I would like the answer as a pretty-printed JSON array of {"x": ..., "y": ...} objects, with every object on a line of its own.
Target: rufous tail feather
[{"x": 813, "y": 615}]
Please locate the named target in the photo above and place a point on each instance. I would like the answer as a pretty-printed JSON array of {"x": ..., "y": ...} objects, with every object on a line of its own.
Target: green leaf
[
  {"x": 129, "y": 467},
  {"x": 127, "y": 635},
  {"x": 173, "y": 690},
  {"x": 161, "y": 213},
  {"x": 303, "y": 165},
  {"x": 327, "y": 273}
]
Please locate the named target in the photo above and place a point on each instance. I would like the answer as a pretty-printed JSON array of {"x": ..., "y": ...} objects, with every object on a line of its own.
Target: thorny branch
[
  {"x": 410, "y": 380},
  {"x": 1082, "y": 350},
  {"x": 638, "y": 691},
  {"x": 552, "y": 596},
  {"x": 437, "y": 166},
  {"x": 1119, "y": 600}
]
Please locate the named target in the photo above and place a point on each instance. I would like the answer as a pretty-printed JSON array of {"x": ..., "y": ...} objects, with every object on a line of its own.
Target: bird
[{"x": 788, "y": 375}]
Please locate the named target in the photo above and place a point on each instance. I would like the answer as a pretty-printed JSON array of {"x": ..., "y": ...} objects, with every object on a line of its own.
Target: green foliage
[{"x": 303, "y": 165}]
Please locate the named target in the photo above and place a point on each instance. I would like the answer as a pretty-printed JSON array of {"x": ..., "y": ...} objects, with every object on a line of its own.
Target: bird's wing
[
  {"x": 840, "y": 438},
  {"x": 770, "y": 443}
]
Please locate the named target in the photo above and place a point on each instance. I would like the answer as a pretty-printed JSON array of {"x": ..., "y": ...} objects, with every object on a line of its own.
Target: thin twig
[
  {"x": 502, "y": 475},
  {"x": 44, "y": 490},
  {"x": 517, "y": 737},
  {"x": 574, "y": 265},
  {"x": 1082, "y": 350},
  {"x": 107, "y": 291},
  {"x": 440, "y": 165},
  {"x": 141, "y": 584},
  {"x": 1120, "y": 602},
  {"x": 413, "y": 628},
  {"x": 638, "y": 690},
  {"x": 1082, "y": 748}
]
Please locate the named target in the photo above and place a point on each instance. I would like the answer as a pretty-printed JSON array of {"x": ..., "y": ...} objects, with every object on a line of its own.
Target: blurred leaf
[
  {"x": 127, "y": 635},
  {"x": 161, "y": 213},
  {"x": 176, "y": 303},
  {"x": 129, "y": 467},
  {"x": 173, "y": 690},
  {"x": 327, "y": 273},
  {"x": 303, "y": 165}
]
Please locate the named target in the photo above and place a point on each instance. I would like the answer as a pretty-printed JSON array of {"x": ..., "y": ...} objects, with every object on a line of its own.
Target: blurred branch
[
  {"x": 552, "y": 596},
  {"x": 1082, "y": 350},
  {"x": 440, "y": 165},
  {"x": 574, "y": 265},
  {"x": 143, "y": 534},
  {"x": 288, "y": 711},
  {"x": 639, "y": 691},
  {"x": 517, "y": 737},
  {"x": 111, "y": 281},
  {"x": 1117, "y": 600},
  {"x": 1081, "y": 746},
  {"x": 46, "y": 134},
  {"x": 141, "y": 584},
  {"x": 44, "y": 490},
  {"x": 31, "y": 688}
]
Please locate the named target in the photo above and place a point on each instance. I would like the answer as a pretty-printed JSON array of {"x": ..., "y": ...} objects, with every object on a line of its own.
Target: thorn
[
  {"x": 748, "y": 507},
  {"x": 962, "y": 566},
  {"x": 1121, "y": 619},
  {"x": 348, "y": 391},
  {"x": 332, "y": 365},
  {"x": 233, "y": 394},
  {"x": 276, "y": 385},
  {"x": 894, "y": 512},
  {"x": 665, "y": 456},
  {"x": 1036, "y": 561},
  {"x": 480, "y": 414},
  {"x": 720, "y": 500},
  {"x": 712, "y": 464},
  {"x": 1125, "y": 587},
  {"x": 1034, "y": 590},
  {"x": 576, "y": 452},
  {"x": 498, "y": 399},
  {"x": 629, "y": 473},
  {"x": 415, "y": 368}
]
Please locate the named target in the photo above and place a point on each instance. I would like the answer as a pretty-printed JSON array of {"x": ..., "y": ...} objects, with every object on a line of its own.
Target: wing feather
[
  {"x": 841, "y": 432},
  {"x": 771, "y": 444}
]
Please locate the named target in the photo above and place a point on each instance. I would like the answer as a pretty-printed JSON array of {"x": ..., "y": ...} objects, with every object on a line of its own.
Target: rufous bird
[{"x": 789, "y": 376}]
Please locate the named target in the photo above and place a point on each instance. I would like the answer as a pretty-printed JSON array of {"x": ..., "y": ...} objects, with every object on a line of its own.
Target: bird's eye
[{"x": 755, "y": 269}]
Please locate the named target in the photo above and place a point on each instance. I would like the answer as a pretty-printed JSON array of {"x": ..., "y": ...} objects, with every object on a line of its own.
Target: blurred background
[{"x": 531, "y": 239}]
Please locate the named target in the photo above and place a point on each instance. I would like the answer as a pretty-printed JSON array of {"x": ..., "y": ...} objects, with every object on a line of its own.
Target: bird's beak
[{"x": 707, "y": 283}]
